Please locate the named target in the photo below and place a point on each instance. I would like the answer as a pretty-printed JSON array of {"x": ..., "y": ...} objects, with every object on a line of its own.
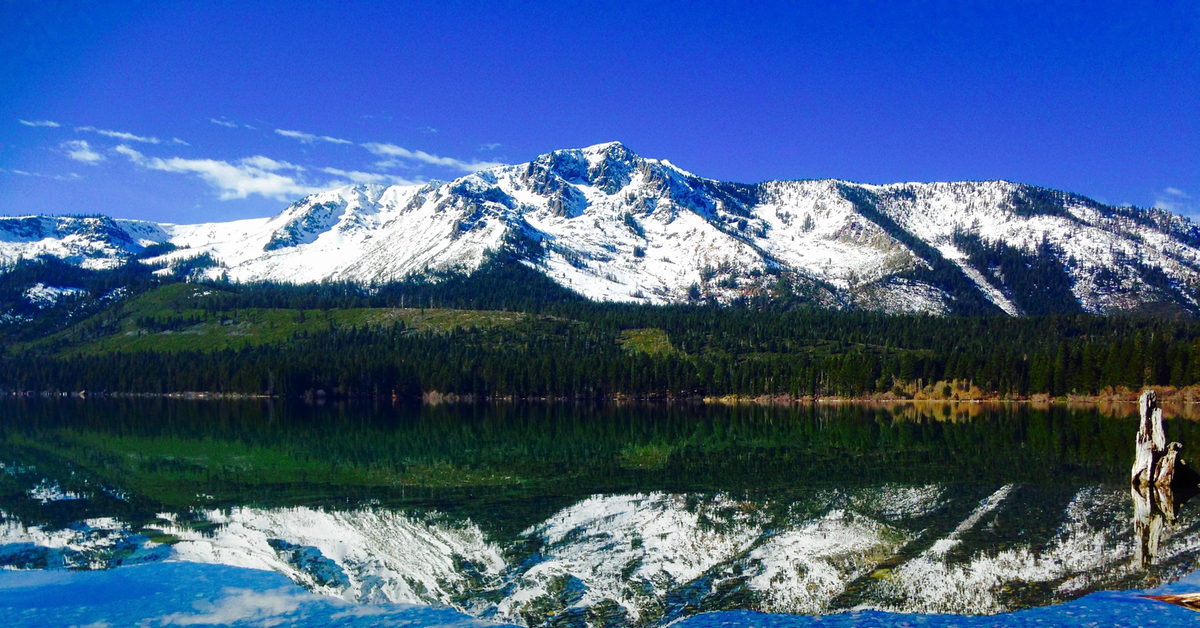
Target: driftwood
[{"x": 1190, "y": 601}]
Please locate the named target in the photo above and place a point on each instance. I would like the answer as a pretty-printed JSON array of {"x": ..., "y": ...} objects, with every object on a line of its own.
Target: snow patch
[{"x": 44, "y": 296}]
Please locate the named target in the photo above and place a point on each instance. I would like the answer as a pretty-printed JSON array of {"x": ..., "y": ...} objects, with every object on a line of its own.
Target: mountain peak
[
  {"x": 615, "y": 226},
  {"x": 605, "y": 147}
]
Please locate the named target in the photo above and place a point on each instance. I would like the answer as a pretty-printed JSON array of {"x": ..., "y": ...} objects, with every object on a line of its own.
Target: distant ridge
[{"x": 612, "y": 225}]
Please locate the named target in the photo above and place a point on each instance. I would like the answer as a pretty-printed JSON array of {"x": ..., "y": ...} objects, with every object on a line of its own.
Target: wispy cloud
[
  {"x": 1176, "y": 200},
  {"x": 490, "y": 146},
  {"x": 400, "y": 153},
  {"x": 309, "y": 138},
  {"x": 252, "y": 175},
  {"x": 70, "y": 176},
  {"x": 356, "y": 176},
  {"x": 271, "y": 165},
  {"x": 427, "y": 129},
  {"x": 79, "y": 150},
  {"x": 225, "y": 122},
  {"x": 49, "y": 123},
  {"x": 120, "y": 135}
]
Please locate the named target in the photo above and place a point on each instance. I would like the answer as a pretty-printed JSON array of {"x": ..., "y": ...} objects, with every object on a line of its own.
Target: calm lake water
[{"x": 190, "y": 512}]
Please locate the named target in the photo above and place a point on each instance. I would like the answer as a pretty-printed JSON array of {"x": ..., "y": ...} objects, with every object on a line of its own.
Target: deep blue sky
[{"x": 1097, "y": 98}]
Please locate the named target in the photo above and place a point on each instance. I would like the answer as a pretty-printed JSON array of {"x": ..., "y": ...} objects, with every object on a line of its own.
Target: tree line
[
  {"x": 713, "y": 352},
  {"x": 568, "y": 346}
]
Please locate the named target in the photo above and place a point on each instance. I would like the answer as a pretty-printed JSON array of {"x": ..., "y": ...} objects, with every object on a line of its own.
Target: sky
[{"x": 190, "y": 112}]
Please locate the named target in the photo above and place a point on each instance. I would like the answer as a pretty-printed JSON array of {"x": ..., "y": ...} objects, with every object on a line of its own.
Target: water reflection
[
  {"x": 628, "y": 515},
  {"x": 1155, "y": 509},
  {"x": 651, "y": 558}
]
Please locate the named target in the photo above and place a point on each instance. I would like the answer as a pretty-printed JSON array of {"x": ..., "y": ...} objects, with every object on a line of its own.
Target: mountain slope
[{"x": 613, "y": 225}]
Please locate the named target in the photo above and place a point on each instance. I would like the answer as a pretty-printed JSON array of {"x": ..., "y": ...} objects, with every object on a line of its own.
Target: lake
[{"x": 191, "y": 512}]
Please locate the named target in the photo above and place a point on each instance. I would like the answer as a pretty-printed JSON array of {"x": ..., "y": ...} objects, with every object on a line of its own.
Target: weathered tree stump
[
  {"x": 1161, "y": 480},
  {"x": 1155, "y": 461},
  {"x": 1164, "y": 470}
]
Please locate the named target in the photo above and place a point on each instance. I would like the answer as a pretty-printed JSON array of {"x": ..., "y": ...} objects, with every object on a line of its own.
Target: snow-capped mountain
[{"x": 613, "y": 225}]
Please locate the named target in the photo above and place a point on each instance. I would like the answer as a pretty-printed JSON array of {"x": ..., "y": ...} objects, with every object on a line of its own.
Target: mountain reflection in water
[{"x": 541, "y": 514}]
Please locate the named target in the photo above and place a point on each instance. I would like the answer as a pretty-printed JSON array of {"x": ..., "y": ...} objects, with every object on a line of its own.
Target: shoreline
[{"x": 1166, "y": 394}]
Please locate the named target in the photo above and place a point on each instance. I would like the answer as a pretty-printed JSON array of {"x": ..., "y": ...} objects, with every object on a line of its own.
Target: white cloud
[
  {"x": 267, "y": 608},
  {"x": 391, "y": 150},
  {"x": 309, "y": 138},
  {"x": 176, "y": 140},
  {"x": 121, "y": 135},
  {"x": 271, "y": 165},
  {"x": 427, "y": 129},
  {"x": 49, "y": 123},
  {"x": 230, "y": 123},
  {"x": 70, "y": 176},
  {"x": 356, "y": 176},
  {"x": 80, "y": 151},
  {"x": 490, "y": 146},
  {"x": 1177, "y": 201},
  {"x": 252, "y": 175}
]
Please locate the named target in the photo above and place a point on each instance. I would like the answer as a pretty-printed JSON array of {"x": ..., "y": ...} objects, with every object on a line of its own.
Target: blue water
[{"x": 190, "y": 594}]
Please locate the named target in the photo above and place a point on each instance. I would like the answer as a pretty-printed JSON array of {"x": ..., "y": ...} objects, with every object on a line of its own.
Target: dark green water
[{"x": 619, "y": 514}]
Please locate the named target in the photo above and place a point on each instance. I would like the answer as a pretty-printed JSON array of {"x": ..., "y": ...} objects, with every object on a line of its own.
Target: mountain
[{"x": 615, "y": 226}]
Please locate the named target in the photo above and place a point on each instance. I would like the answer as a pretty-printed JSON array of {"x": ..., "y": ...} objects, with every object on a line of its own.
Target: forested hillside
[{"x": 507, "y": 331}]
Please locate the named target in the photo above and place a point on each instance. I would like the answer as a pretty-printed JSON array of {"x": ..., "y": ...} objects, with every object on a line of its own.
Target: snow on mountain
[
  {"x": 613, "y": 225},
  {"x": 44, "y": 296},
  {"x": 90, "y": 241}
]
